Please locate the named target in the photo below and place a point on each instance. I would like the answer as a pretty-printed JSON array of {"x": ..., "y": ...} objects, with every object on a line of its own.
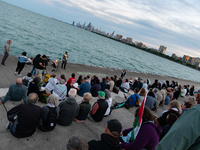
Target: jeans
[
  {"x": 63, "y": 64},
  {"x": 33, "y": 71},
  {"x": 4, "y": 58},
  {"x": 20, "y": 66}
]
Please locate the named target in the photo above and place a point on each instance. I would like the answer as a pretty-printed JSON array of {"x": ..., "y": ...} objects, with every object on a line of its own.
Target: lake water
[{"x": 34, "y": 33}]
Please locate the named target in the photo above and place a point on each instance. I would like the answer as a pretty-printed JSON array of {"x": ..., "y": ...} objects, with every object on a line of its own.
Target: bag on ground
[{"x": 50, "y": 121}]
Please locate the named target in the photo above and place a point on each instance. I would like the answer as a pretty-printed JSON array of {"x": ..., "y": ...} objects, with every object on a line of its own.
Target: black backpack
[
  {"x": 25, "y": 82},
  {"x": 50, "y": 121}
]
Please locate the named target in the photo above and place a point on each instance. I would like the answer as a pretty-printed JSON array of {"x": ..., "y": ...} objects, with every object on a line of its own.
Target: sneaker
[
  {"x": 3, "y": 65},
  {"x": 8, "y": 125},
  {"x": 19, "y": 75},
  {"x": 15, "y": 73}
]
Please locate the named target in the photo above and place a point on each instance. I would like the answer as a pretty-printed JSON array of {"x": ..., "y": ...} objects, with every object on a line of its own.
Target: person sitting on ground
[
  {"x": 28, "y": 116},
  {"x": 141, "y": 96},
  {"x": 115, "y": 79},
  {"x": 177, "y": 93},
  {"x": 160, "y": 99},
  {"x": 164, "y": 85},
  {"x": 68, "y": 109},
  {"x": 118, "y": 82},
  {"x": 109, "y": 139},
  {"x": 51, "y": 83},
  {"x": 185, "y": 106},
  {"x": 89, "y": 79},
  {"x": 50, "y": 114},
  {"x": 185, "y": 132},
  {"x": 41, "y": 81},
  {"x": 80, "y": 80},
  {"x": 145, "y": 86},
  {"x": 99, "y": 108},
  {"x": 60, "y": 90},
  {"x": 131, "y": 82},
  {"x": 167, "y": 98},
  {"x": 148, "y": 135},
  {"x": 174, "y": 107},
  {"x": 135, "y": 84},
  {"x": 84, "y": 87},
  {"x": 27, "y": 79},
  {"x": 192, "y": 100},
  {"x": 93, "y": 80},
  {"x": 140, "y": 84},
  {"x": 84, "y": 108},
  {"x": 16, "y": 92},
  {"x": 108, "y": 99},
  {"x": 197, "y": 96},
  {"x": 111, "y": 83},
  {"x": 34, "y": 87},
  {"x": 125, "y": 87},
  {"x": 173, "y": 84},
  {"x": 62, "y": 77},
  {"x": 103, "y": 84},
  {"x": 192, "y": 90},
  {"x": 155, "y": 84},
  {"x": 149, "y": 83},
  {"x": 71, "y": 81},
  {"x": 95, "y": 88},
  {"x": 150, "y": 100},
  {"x": 171, "y": 91},
  {"x": 184, "y": 91},
  {"x": 171, "y": 118},
  {"x": 77, "y": 142}
]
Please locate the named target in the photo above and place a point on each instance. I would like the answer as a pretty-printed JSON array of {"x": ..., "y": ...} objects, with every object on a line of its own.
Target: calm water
[{"x": 35, "y": 34}]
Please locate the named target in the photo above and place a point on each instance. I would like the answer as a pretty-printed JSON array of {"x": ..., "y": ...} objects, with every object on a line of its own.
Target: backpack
[
  {"x": 136, "y": 102},
  {"x": 51, "y": 118},
  {"x": 25, "y": 82},
  {"x": 46, "y": 78}
]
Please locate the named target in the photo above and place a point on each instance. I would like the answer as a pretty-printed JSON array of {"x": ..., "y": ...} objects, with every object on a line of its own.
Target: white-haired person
[
  {"x": 50, "y": 114},
  {"x": 61, "y": 90},
  {"x": 68, "y": 109},
  {"x": 27, "y": 117},
  {"x": 108, "y": 99},
  {"x": 77, "y": 142},
  {"x": 84, "y": 108}
]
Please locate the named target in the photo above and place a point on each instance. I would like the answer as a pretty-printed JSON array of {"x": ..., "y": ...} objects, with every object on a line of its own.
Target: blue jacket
[
  {"x": 132, "y": 99},
  {"x": 22, "y": 59},
  {"x": 84, "y": 87}
]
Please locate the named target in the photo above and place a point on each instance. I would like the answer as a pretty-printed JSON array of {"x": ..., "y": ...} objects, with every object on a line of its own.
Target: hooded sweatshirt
[{"x": 148, "y": 137}]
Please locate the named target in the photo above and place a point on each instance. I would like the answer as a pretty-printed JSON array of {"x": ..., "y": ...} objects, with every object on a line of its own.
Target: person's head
[
  {"x": 115, "y": 76},
  {"x": 136, "y": 79},
  {"x": 107, "y": 94},
  {"x": 72, "y": 93},
  {"x": 101, "y": 95},
  {"x": 155, "y": 90},
  {"x": 62, "y": 81},
  {"x": 171, "y": 118},
  {"x": 88, "y": 76},
  {"x": 186, "y": 105},
  {"x": 104, "y": 80},
  {"x": 185, "y": 86},
  {"x": 29, "y": 74},
  {"x": 77, "y": 142},
  {"x": 19, "y": 81},
  {"x": 63, "y": 77},
  {"x": 44, "y": 57},
  {"x": 120, "y": 78},
  {"x": 40, "y": 76},
  {"x": 87, "y": 97},
  {"x": 112, "y": 78},
  {"x": 150, "y": 93},
  {"x": 24, "y": 53},
  {"x": 32, "y": 98},
  {"x": 175, "y": 104},
  {"x": 142, "y": 92},
  {"x": 126, "y": 80},
  {"x": 9, "y": 41},
  {"x": 97, "y": 81},
  {"x": 85, "y": 79},
  {"x": 136, "y": 90},
  {"x": 53, "y": 75},
  {"x": 36, "y": 80},
  {"x": 73, "y": 75},
  {"x": 80, "y": 77},
  {"x": 145, "y": 81},
  {"x": 53, "y": 99},
  {"x": 156, "y": 80},
  {"x": 38, "y": 56},
  {"x": 192, "y": 87},
  {"x": 192, "y": 99},
  {"x": 66, "y": 52},
  {"x": 113, "y": 128},
  {"x": 167, "y": 93},
  {"x": 147, "y": 114}
]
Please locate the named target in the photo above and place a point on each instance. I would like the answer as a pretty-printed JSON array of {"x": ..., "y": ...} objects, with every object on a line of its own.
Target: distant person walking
[
  {"x": 64, "y": 61},
  {"x": 6, "y": 52},
  {"x": 123, "y": 73},
  {"x": 22, "y": 59}
]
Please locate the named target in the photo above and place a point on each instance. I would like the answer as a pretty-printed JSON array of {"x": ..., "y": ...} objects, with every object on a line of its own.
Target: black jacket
[
  {"x": 84, "y": 109},
  {"x": 107, "y": 143}
]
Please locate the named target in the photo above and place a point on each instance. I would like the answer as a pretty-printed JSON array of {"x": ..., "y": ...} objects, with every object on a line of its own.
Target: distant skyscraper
[
  {"x": 112, "y": 34},
  {"x": 162, "y": 49},
  {"x": 73, "y": 23}
]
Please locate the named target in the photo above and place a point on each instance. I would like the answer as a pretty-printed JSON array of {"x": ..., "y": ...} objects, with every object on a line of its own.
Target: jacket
[
  {"x": 7, "y": 48},
  {"x": 107, "y": 143},
  {"x": 148, "y": 137},
  {"x": 22, "y": 59},
  {"x": 84, "y": 109},
  {"x": 95, "y": 89},
  {"x": 68, "y": 110},
  {"x": 132, "y": 99}
]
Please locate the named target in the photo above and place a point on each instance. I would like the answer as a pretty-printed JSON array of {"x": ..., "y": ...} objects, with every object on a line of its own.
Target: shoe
[
  {"x": 3, "y": 65},
  {"x": 19, "y": 75},
  {"x": 15, "y": 73},
  {"x": 8, "y": 125}
]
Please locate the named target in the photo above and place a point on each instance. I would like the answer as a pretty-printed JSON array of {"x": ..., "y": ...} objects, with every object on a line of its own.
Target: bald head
[{"x": 19, "y": 81}]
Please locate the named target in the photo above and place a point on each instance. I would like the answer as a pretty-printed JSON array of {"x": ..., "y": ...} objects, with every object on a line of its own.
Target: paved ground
[{"x": 57, "y": 139}]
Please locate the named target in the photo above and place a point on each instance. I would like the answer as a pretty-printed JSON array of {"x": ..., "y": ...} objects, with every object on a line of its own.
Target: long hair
[
  {"x": 176, "y": 104},
  {"x": 147, "y": 114}
]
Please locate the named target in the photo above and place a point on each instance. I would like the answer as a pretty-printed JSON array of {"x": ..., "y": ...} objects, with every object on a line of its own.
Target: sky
[{"x": 174, "y": 24}]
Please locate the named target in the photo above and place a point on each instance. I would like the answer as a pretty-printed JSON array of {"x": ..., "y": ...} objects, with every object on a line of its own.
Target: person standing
[
  {"x": 6, "y": 52},
  {"x": 40, "y": 65},
  {"x": 64, "y": 61},
  {"x": 123, "y": 73},
  {"x": 22, "y": 59}
]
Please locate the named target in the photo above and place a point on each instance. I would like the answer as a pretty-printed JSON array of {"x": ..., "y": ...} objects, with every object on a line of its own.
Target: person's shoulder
[{"x": 93, "y": 144}]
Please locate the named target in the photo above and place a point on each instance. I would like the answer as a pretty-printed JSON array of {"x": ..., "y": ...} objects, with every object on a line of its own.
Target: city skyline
[{"x": 154, "y": 23}]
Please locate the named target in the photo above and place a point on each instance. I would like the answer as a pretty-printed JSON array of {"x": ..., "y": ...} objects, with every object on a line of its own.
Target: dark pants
[
  {"x": 64, "y": 64},
  {"x": 4, "y": 58},
  {"x": 20, "y": 66}
]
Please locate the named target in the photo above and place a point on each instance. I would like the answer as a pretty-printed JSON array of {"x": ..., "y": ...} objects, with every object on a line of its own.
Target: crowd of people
[{"x": 154, "y": 131}]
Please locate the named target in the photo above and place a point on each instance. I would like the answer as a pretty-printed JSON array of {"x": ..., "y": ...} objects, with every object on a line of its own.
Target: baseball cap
[
  {"x": 114, "y": 126},
  {"x": 101, "y": 94}
]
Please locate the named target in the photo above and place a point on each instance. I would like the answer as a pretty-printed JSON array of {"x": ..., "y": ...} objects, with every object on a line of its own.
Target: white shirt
[
  {"x": 109, "y": 101},
  {"x": 51, "y": 84}
]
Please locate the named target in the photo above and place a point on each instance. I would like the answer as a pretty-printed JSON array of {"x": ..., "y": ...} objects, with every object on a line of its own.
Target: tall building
[
  {"x": 162, "y": 49},
  {"x": 129, "y": 40},
  {"x": 196, "y": 61},
  {"x": 185, "y": 58}
]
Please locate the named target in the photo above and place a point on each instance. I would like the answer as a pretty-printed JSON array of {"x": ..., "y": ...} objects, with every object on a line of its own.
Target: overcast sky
[{"x": 174, "y": 23}]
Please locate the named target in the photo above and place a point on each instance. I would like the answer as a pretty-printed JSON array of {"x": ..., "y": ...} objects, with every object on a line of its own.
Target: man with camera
[
  {"x": 64, "y": 61},
  {"x": 40, "y": 65}
]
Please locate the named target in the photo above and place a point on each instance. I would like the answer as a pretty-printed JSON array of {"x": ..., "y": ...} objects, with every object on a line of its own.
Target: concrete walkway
[{"x": 58, "y": 138}]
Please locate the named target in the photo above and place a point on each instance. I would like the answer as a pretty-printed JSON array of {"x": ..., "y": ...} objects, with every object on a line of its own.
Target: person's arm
[
  {"x": 24, "y": 97},
  {"x": 94, "y": 109},
  {"x": 126, "y": 131},
  {"x": 13, "y": 112},
  {"x": 8, "y": 96},
  {"x": 130, "y": 98},
  {"x": 40, "y": 63}
]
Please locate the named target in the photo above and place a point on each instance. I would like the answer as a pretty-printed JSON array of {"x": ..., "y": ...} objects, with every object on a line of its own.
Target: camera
[{"x": 46, "y": 61}]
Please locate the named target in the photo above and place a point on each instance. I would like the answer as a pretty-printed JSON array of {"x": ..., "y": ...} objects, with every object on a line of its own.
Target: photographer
[
  {"x": 40, "y": 65},
  {"x": 64, "y": 61}
]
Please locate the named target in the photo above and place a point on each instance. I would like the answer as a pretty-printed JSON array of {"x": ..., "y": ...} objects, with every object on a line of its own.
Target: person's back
[
  {"x": 118, "y": 82},
  {"x": 95, "y": 89},
  {"x": 51, "y": 83},
  {"x": 150, "y": 101},
  {"x": 84, "y": 88}
]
